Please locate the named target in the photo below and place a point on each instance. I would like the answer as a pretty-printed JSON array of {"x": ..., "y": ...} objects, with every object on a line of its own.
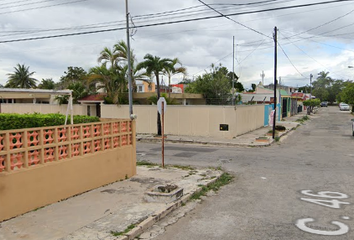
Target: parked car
[
  {"x": 344, "y": 107},
  {"x": 324, "y": 104}
]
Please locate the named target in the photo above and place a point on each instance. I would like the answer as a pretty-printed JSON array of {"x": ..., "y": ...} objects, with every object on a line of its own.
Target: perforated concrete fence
[{"x": 39, "y": 166}]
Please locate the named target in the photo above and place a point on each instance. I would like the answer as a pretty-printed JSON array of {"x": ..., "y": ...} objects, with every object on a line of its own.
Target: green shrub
[{"x": 10, "y": 121}]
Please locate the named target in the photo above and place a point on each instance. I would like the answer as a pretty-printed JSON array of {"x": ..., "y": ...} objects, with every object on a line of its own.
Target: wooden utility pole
[{"x": 275, "y": 77}]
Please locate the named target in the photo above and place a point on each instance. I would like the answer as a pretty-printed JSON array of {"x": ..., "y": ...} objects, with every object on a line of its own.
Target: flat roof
[{"x": 24, "y": 90}]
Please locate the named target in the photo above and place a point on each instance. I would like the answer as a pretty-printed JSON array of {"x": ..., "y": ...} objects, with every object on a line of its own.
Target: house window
[
  {"x": 140, "y": 89},
  {"x": 88, "y": 111},
  {"x": 150, "y": 88}
]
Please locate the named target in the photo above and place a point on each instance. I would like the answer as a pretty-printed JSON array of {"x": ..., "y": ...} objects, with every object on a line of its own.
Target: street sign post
[{"x": 161, "y": 101}]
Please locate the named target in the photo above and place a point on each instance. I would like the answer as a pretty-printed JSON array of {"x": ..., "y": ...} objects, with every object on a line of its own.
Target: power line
[
  {"x": 243, "y": 25},
  {"x": 41, "y": 7},
  {"x": 286, "y": 55},
  {"x": 324, "y": 24},
  {"x": 169, "y": 22}
]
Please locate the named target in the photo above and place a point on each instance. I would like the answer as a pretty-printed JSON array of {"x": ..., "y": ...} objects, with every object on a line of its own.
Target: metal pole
[
  {"x": 275, "y": 78},
  {"x": 71, "y": 109},
  {"x": 311, "y": 76},
  {"x": 233, "y": 70},
  {"x": 163, "y": 132},
  {"x": 129, "y": 64}
]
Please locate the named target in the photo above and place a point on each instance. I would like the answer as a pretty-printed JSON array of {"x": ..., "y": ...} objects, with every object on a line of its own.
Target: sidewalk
[
  {"x": 256, "y": 138},
  {"x": 113, "y": 208}
]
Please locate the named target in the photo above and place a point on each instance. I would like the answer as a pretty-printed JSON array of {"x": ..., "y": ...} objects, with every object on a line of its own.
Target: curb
[
  {"x": 160, "y": 214},
  {"x": 147, "y": 140}
]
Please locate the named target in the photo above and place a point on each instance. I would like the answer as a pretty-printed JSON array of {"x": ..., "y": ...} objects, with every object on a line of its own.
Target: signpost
[{"x": 161, "y": 108}]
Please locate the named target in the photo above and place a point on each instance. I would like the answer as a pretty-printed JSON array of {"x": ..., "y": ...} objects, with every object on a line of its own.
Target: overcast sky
[{"x": 314, "y": 38}]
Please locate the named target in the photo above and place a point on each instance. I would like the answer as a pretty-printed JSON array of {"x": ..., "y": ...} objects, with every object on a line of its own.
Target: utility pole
[
  {"x": 311, "y": 76},
  {"x": 233, "y": 70},
  {"x": 130, "y": 82},
  {"x": 275, "y": 76}
]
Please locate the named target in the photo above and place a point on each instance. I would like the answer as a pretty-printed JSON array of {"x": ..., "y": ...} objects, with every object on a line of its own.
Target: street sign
[{"x": 161, "y": 101}]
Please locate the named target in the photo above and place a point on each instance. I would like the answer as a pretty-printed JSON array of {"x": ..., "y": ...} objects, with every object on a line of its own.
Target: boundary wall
[
  {"x": 40, "y": 166},
  {"x": 194, "y": 120},
  {"x": 190, "y": 120}
]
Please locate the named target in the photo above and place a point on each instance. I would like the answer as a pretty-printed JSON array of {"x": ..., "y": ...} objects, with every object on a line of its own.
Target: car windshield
[{"x": 344, "y": 105}]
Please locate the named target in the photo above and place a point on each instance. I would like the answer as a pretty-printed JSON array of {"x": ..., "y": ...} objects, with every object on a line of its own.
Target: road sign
[{"x": 161, "y": 101}]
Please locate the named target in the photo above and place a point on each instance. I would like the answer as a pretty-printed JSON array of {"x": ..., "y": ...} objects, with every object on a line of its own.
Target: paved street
[{"x": 300, "y": 188}]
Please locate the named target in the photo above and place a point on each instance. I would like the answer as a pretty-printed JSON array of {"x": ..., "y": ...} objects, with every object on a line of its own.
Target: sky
[{"x": 311, "y": 39}]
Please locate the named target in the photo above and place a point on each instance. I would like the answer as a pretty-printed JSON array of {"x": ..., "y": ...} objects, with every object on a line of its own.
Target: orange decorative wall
[{"x": 40, "y": 166}]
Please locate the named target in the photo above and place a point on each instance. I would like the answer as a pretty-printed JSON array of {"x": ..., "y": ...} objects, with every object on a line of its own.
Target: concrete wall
[
  {"x": 42, "y": 108},
  {"x": 191, "y": 120},
  {"x": 35, "y": 172},
  {"x": 194, "y": 120}
]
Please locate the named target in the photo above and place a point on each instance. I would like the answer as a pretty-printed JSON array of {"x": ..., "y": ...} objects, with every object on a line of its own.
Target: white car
[{"x": 344, "y": 107}]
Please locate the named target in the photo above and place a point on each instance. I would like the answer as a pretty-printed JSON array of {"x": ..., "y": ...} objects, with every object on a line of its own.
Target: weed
[
  {"x": 193, "y": 172},
  {"x": 277, "y": 139},
  {"x": 37, "y": 209},
  {"x": 130, "y": 227},
  {"x": 145, "y": 163},
  {"x": 224, "y": 179},
  {"x": 126, "y": 176},
  {"x": 183, "y": 167},
  {"x": 303, "y": 119}
]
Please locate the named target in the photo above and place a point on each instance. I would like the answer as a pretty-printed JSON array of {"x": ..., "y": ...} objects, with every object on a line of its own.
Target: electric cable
[
  {"x": 243, "y": 25},
  {"x": 286, "y": 55},
  {"x": 169, "y": 22}
]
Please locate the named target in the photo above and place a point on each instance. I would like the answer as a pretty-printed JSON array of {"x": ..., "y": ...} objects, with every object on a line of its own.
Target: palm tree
[
  {"x": 116, "y": 55},
  {"x": 155, "y": 65},
  {"x": 113, "y": 80},
  {"x": 21, "y": 78},
  {"x": 108, "y": 55},
  {"x": 173, "y": 71},
  {"x": 121, "y": 50}
]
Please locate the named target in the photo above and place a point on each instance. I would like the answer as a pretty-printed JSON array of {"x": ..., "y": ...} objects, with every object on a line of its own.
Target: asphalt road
[{"x": 301, "y": 188}]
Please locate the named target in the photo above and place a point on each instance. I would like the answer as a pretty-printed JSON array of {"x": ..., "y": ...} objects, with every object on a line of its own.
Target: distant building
[{"x": 144, "y": 86}]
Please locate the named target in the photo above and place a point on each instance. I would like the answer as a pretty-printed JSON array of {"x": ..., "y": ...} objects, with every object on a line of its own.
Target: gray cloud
[{"x": 197, "y": 44}]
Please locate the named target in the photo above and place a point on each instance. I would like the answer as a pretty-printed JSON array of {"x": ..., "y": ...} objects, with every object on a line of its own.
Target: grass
[
  {"x": 150, "y": 164},
  {"x": 130, "y": 227},
  {"x": 224, "y": 179},
  {"x": 303, "y": 119},
  {"x": 187, "y": 168},
  {"x": 146, "y": 163}
]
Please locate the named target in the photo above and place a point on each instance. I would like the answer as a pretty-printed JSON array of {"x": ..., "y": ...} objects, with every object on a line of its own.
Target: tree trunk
[
  {"x": 158, "y": 97},
  {"x": 169, "y": 84}
]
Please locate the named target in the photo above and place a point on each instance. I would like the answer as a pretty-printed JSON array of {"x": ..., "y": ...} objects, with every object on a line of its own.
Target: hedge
[{"x": 9, "y": 121}]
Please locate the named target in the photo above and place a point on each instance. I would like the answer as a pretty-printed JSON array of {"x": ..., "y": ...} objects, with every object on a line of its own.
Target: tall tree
[
  {"x": 173, "y": 71},
  {"x": 21, "y": 78},
  {"x": 155, "y": 65},
  {"x": 72, "y": 75},
  {"x": 347, "y": 94},
  {"x": 47, "y": 84},
  {"x": 214, "y": 85}
]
